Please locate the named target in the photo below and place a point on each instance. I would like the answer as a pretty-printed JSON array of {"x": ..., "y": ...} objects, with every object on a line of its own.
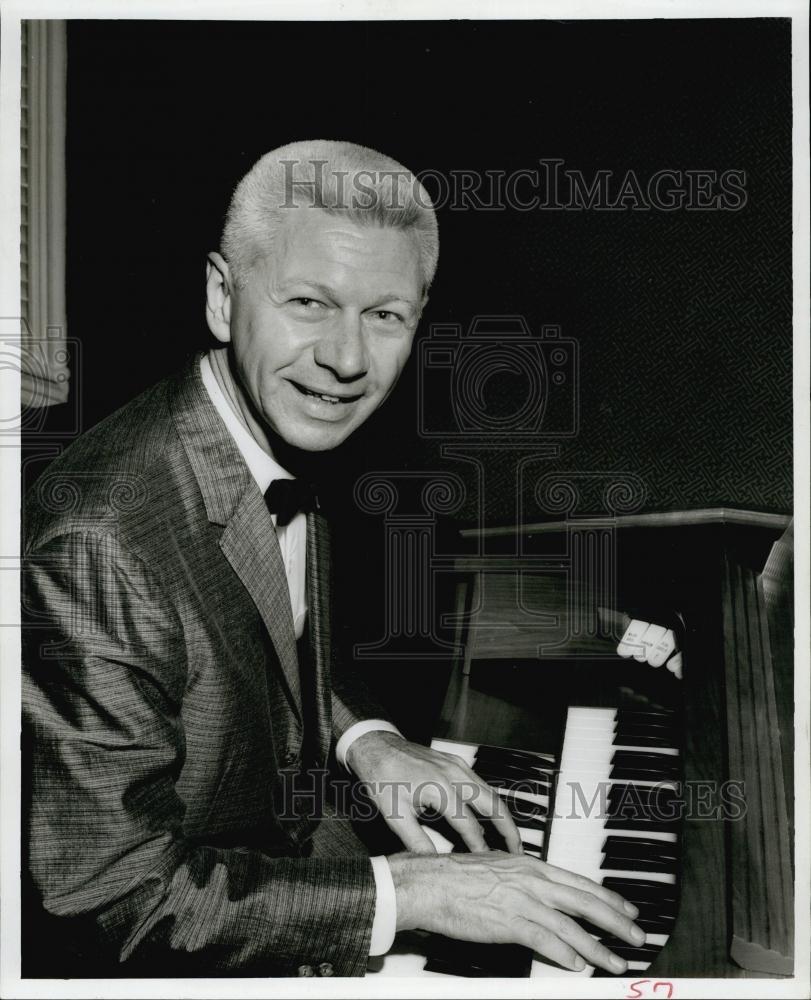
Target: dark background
[{"x": 683, "y": 318}]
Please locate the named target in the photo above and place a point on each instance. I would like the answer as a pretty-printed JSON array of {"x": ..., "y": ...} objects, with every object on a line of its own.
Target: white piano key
[
  {"x": 541, "y": 969},
  {"x": 529, "y": 836},
  {"x": 638, "y": 748},
  {"x": 467, "y": 751},
  {"x": 442, "y": 844},
  {"x": 538, "y": 800},
  {"x": 577, "y": 713}
]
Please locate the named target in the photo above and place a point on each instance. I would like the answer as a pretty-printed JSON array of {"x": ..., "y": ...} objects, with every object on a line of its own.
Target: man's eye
[
  {"x": 386, "y": 316},
  {"x": 306, "y": 303}
]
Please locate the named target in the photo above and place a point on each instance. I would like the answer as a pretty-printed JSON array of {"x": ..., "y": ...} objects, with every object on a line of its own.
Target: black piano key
[
  {"x": 619, "y": 863},
  {"x": 647, "y": 766},
  {"x": 509, "y": 770},
  {"x": 624, "y": 860},
  {"x": 634, "y": 889},
  {"x": 642, "y": 823},
  {"x": 661, "y": 910},
  {"x": 472, "y": 959},
  {"x": 656, "y": 924},
  {"x": 630, "y": 952},
  {"x": 640, "y": 847},
  {"x": 497, "y": 761},
  {"x": 645, "y": 714},
  {"x": 628, "y": 724},
  {"x": 511, "y": 782},
  {"x": 633, "y": 773},
  {"x": 492, "y": 837},
  {"x": 644, "y": 739},
  {"x": 644, "y": 726},
  {"x": 522, "y": 809},
  {"x": 659, "y": 800},
  {"x": 529, "y": 822},
  {"x": 511, "y": 796},
  {"x": 647, "y": 759},
  {"x": 507, "y": 753},
  {"x": 669, "y": 733}
]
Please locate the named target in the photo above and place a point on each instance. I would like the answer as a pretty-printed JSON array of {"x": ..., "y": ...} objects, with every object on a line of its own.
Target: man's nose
[{"x": 343, "y": 348}]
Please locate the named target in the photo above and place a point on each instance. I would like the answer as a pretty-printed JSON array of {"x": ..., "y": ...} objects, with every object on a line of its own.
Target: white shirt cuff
[
  {"x": 360, "y": 729},
  {"x": 385, "y": 921}
]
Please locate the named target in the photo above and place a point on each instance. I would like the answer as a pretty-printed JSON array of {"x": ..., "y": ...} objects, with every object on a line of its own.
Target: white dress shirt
[{"x": 293, "y": 544}]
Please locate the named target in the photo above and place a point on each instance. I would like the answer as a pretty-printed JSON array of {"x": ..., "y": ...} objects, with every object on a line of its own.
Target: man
[{"x": 179, "y": 672}]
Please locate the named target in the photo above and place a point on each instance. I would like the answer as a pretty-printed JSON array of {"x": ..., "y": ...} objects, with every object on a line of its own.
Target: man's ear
[{"x": 218, "y": 297}]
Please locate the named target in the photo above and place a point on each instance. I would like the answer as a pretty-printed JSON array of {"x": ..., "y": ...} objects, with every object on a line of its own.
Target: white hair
[{"x": 336, "y": 177}]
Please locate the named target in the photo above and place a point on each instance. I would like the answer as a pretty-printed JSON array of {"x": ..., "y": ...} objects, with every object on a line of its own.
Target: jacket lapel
[
  {"x": 319, "y": 615},
  {"x": 249, "y": 543},
  {"x": 232, "y": 499}
]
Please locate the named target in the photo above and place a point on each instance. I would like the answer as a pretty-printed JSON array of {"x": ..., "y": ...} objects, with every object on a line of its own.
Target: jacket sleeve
[
  {"x": 352, "y": 702},
  {"x": 104, "y": 678}
]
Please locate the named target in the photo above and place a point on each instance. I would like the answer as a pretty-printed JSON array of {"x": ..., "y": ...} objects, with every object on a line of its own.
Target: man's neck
[{"x": 221, "y": 367}]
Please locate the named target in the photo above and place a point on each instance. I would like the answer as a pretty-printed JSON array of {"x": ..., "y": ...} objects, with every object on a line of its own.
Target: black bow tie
[{"x": 286, "y": 497}]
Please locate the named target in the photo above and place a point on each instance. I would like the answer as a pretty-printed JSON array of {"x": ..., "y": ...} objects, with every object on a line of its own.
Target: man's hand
[
  {"x": 509, "y": 899},
  {"x": 654, "y": 644},
  {"x": 404, "y": 779}
]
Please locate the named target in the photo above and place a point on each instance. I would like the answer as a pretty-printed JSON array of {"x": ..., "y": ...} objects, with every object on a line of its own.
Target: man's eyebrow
[
  {"x": 395, "y": 297},
  {"x": 325, "y": 290},
  {"x": 330, "y": 293}
]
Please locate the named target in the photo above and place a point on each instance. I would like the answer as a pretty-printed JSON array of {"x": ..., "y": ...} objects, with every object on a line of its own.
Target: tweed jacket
[{"x": 165, "y": 713}]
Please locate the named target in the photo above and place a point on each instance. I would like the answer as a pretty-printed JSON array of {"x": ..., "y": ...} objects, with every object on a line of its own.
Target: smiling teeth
[{"x": 321, "y": 395}]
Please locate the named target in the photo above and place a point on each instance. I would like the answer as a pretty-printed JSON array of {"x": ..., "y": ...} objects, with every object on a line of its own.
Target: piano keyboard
[
  {"x": 616, "y": 817},
  {"x": 615, "y": 820}
]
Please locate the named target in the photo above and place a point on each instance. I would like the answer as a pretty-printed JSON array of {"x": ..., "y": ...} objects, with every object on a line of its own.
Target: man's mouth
[{"x": 328, "y": 397}]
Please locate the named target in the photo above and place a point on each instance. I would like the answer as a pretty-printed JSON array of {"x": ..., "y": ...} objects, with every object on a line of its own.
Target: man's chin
[{"x": 317, "y": 438}]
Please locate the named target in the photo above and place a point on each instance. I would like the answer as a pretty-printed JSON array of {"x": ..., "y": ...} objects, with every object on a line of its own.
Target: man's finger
[
  {"x": 613, "y": 899},
  {"x": 461, "y": 818},
  {"x": 587, "y": 946},
  {"x": 491, "y": 805},
  {"x": 411, "y": 834},
  {"x": 578, "y": 903},
  {"x": 543, "y": 941}
]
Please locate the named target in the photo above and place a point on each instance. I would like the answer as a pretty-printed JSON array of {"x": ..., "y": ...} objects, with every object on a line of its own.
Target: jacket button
[
  {"x": 306, "y": 970},
  {"x": 325, "y": 969}
]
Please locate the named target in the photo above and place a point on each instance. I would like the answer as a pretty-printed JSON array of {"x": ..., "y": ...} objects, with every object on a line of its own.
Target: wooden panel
[{"x": 762, "y": 884}]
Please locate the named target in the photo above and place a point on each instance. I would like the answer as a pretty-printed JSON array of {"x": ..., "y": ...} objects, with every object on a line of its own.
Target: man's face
[{"x": 323, "y": 328}]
